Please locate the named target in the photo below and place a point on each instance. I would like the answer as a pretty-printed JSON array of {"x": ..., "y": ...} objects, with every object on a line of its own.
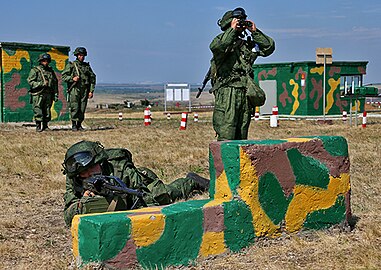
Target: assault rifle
[
  {"x": 110, "y": 186},
  {"x": 204, "y": 82}
]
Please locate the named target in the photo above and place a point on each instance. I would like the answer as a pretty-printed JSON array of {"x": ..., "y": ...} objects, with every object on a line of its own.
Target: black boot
[
  {"x": 201, "y": 182},
  {"x": 74, "y": 126},
  {"x": 79, "y": 126},
  {"x": 38, "y": 126},
  {"x": 45, "y": 125}
]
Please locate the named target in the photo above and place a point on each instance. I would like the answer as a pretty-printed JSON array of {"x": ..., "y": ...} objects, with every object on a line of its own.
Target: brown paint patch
[
  {"x": 12, "y": 94},
  {"x": 318, "y": 89},
  {"x": 361, "y": 70},
  {"x": 265, "y": 74},
  {"x": 61, "y": 95},
  {"x": 126, "y": 258},
  {"x": 284, "y": 97},
  {"x": 215, "y": 149},
  {"x": 333, "y": 71},
  {"x": 273, "y": 159},
  {"x": 214, "y": 219}
]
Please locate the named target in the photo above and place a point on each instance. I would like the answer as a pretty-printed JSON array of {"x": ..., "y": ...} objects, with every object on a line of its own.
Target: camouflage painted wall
[
  {"x": 17, "y": 59},
  {"x": 258, "y": 188},
  {"x": 295, "y": 99}
]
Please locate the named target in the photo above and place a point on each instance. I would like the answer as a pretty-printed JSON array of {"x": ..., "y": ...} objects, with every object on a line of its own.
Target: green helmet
[
  {"x": 83, "y": 155},
  {"x": 80, "y": 50},
  {"x": 239, "y": 13},
  {"x": 44, "y": 56},
  {"x": 225, "y": 21}
]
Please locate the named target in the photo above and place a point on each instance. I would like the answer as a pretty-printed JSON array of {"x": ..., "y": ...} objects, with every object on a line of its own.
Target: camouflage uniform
[
  {"x": 233, "y": 58},
  {"x": 157, "y": 193},
  {"x": 43, "y": 89},
  {"x": 79, "y": 91}
]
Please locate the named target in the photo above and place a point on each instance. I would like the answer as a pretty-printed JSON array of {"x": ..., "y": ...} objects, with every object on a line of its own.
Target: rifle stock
[{"x": 204, "y": 82}]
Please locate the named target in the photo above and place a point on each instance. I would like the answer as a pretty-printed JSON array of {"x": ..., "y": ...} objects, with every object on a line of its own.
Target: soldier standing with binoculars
[{"x": 236, "y": 93}]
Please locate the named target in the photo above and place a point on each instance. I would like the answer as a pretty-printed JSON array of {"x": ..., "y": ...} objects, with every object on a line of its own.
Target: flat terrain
[{"x": 32, "y": 230}]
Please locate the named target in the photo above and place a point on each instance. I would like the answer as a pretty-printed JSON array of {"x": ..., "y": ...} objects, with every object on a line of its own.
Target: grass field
[{"x": 32, "y": 230}]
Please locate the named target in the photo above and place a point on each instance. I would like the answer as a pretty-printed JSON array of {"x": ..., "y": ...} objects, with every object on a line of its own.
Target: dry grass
[{"x": 32, "y": 231}]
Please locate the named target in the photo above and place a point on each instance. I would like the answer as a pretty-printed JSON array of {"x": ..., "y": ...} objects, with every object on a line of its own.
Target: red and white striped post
[
  {"x": 168, "y": 116},
  {"x": 195, "y": 117},
  {"x": 274, "y": 120},
  {"x": 120, "y": 116},
  {"x": 184, "y": 119},
  {"x": 364, "y": 119},
  {"x": 147, "y": 117},
  {"x": 345, "y": 114}
]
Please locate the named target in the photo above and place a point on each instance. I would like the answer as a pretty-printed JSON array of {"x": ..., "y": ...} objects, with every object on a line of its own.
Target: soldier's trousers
[
  {"x": 231, "y": 115},
  {"x": 42, "y": 103},
  {"x": 78, "y": 103}
]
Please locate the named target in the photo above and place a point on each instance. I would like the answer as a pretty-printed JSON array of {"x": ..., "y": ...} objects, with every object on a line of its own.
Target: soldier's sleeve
[
  {"x": 33, "y": 79},
  {"x": 92, "y": 80},
  {"x": 265, "y": 43},
  {"x": 223, "y": 42},
  {"x": 69, "y": 196},
  {"x": 55, "y": 83},
  {"x": 67, "y": 73}
]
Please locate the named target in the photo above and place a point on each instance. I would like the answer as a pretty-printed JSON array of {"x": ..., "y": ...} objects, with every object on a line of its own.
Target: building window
[{"x": 348, "y": 83}]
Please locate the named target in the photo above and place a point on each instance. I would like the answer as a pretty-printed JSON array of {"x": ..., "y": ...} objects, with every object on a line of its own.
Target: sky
[{"x": 160, "y": 41}]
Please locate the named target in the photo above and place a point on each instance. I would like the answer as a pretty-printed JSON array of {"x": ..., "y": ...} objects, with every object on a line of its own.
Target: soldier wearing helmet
[
  {"x": 80, "y": 80},
  {"x": 236, "y": 93},
  {"x": 86, "y": 159},
  {"x": 43, "y": 90}
]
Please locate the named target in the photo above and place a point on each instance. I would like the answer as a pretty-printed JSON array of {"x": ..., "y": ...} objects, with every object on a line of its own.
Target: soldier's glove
[{"x": 55, "y": 97}]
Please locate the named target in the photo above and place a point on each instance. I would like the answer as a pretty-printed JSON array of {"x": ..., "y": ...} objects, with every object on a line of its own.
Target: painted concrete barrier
[{"x": 258, "y": 188}]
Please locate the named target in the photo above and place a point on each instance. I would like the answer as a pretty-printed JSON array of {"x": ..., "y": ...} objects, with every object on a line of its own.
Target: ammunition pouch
[{"x": 255, "y": 95}]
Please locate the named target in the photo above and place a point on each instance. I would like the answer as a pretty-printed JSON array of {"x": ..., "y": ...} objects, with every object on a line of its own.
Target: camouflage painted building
[
  {"x": 297, "y": 87},
  {"x": 16, "y": 61}
]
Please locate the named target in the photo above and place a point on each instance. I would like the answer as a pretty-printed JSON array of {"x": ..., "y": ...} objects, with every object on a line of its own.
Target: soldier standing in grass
[
  {"x": 86, "y": 159},
  {"x": 80, "y": 80},
  {"x": 236, "y": 93},
  {"x": 43, "y": 89}
]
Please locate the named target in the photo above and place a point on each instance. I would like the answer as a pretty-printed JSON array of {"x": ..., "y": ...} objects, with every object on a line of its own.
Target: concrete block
[{"x": 258, "y": 189}]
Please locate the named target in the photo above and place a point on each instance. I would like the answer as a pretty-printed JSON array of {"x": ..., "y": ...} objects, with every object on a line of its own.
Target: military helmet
[
  {"x": 44, "y": 56},
  {"x": 82, "y": 155},
  {"x": 80, "y": 50},
  {"x": 239, "y": 13},
  {"x": 225, "y": 21}
]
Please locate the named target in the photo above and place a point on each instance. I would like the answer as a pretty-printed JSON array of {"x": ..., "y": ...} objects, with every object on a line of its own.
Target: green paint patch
[
  {"x": 335, "y": 145},
  {"x": 230, "y": 159},
  {"x": 239, "y": 230},
  {"x": 102, "y": 237},
  {"x": 307, "y": 170},
  {"x": 181, "y": 240},
  {"x": 212, "y": 173},
  {"x": 325, "y": 218},
  {"x": 272, "y": 198}
]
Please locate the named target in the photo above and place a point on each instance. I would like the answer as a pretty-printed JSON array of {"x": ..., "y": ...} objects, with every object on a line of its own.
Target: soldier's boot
[
  {"x": 38, "y": 126},
  {"x": 45, "y": 125},
  {"x": 202, "y": 183},
  {"x": 79, "y": 126},
  {"x": 74, "y": 126}
]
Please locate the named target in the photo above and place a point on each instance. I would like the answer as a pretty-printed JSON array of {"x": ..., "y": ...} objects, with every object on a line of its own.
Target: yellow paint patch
[
  {"x": 295, "y": 94},
  {"x": 13, "y": 61},
  {"x": 330, "y": 99},
  {"x": 308, "y": 199},
  {"x": 223, "y": 191},
  {"x": 147, "y": 228},
  {"x": 213, "y": 243},
  {"x": 299, "y": 140},
  {"x": 74, "y": 234},
  {"x": 59, "y": 57},
  {"x": 318, "y": 70},
  {"x": 356, "y": 106},
  {"x": 53, "y": 112},
  {"x": 249, "y": 193}
]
